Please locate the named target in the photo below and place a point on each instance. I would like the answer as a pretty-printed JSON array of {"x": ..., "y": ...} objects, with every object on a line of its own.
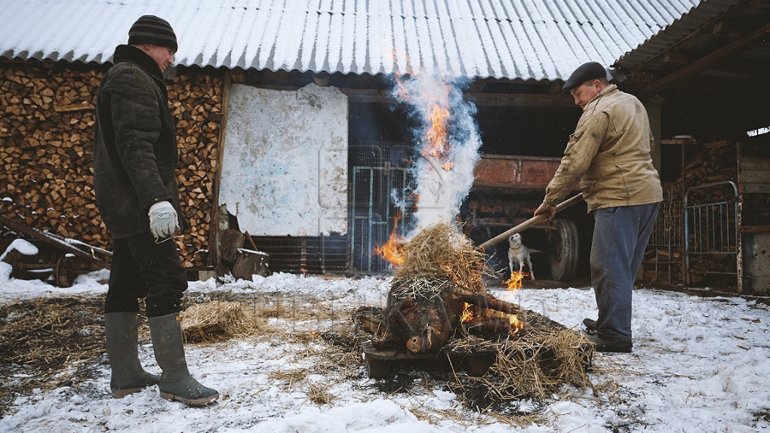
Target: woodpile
[
  {"x": 196, "y": 103},
  {"x": 713, "y": 162},
  {"x": 47, "y": 128},
  {"x": 716, "y": 162}
]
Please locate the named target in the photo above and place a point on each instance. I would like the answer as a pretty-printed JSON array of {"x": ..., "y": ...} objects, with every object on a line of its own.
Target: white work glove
[{"x": 163, "y": 220}]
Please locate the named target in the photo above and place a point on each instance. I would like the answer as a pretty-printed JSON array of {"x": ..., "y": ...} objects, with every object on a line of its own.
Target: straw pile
[
  {"x": 218, "y": 320},
  {"x": 533, "y": 364},
  {"x": 419, "y": 287},
  {"x": 442, "y": 251},
  {"x": 530, "y": 363}
]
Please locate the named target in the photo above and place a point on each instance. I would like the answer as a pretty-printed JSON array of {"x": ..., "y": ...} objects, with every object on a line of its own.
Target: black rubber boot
[
  {"x": 175, "y": 381},
  {"x": 610, "y": 342},
  {"x": 591, "y": 325},
  {"x": 121, "y": 331}
]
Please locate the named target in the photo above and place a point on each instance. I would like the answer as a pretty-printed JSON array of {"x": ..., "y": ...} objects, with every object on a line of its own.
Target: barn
[{"x": 293, "y": 140}]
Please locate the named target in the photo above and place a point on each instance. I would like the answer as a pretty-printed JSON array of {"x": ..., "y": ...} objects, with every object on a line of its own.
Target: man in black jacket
[{"x": 135, "y": 157}]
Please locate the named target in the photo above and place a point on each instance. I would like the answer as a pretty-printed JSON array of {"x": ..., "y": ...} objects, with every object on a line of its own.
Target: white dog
[{"x": 518, "y": 253}]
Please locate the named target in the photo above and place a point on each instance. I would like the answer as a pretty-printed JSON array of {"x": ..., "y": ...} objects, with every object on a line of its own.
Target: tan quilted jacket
[{"x": 609, "y": 154}]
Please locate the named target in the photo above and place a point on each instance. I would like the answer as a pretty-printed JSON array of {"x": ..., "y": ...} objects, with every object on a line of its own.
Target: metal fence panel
[{"x": 711, "y": 227}]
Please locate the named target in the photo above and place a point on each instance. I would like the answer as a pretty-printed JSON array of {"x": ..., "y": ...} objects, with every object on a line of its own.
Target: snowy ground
[{"x": 700, "y": 364}]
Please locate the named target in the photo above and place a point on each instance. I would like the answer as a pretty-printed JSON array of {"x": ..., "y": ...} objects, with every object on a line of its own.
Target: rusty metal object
[
  {"x": 514, "y": 173},
  {"x": 72, "y": 246},
  {"x": 59, "y": 259},
  {"x": 382, "y": 363}
]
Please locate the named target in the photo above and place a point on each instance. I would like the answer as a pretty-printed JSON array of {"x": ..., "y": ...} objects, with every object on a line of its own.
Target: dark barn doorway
[{"x": 381, "y": 182}]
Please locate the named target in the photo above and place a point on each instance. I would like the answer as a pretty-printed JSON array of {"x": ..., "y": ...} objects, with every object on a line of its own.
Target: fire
[
  {"x": 437, "y": 142},
  {"x": 515, "y": 282},
  {"x": 433, "y": 104},
  {"x": 393, "y": 249},
  {"x": 474, "y": 317},
  {"x": 467, "y": 314},
  {"x": 516, "y": 324}
]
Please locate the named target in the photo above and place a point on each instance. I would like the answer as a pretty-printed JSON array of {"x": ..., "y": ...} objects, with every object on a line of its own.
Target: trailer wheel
[
  {"x": 564, "y": 249},
  {"x": 65, "y": 271}
]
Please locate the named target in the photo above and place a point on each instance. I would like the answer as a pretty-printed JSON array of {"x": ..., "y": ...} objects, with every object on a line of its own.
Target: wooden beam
[
  {"x": 676, "y": 58},
  {"x": 704, "y": 62},
  {"x": 548, "y": 100},
  {"x": 372, "y": 96},
  {"x": 478, "y": 85},
  {"x": 683, "y": 140},
  {"x": 214, "y": 230}
]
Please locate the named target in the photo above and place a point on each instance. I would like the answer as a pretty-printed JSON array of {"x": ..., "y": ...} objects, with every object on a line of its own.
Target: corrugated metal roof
[
  {"x": 514, "y": 39},
  {"x": 675, "y": 33}
]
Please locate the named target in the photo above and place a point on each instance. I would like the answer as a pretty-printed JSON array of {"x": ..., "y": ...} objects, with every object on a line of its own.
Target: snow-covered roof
[{"x": 514, "y": 39}]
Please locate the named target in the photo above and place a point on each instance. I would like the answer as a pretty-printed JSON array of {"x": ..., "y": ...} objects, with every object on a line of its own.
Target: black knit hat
[
  {"x": 149, "y": 29},
  {"x": 585, "y": 72}
]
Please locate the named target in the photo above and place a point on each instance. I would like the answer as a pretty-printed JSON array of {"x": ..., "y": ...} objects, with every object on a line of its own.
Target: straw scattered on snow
[{"x": 220, "y": 320}]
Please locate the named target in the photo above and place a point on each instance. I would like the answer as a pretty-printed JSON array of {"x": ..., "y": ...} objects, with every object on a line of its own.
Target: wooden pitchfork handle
[{"x": 530, "y": 222}]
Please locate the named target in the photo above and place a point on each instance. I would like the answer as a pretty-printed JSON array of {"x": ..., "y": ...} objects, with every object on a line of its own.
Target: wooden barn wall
[{"x": 46, "y": 152}]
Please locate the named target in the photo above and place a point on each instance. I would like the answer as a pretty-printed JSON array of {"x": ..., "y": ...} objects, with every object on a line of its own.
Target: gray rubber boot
[
  {"x": 121, "y": 331},
  {"x": 175, "y": 381}
]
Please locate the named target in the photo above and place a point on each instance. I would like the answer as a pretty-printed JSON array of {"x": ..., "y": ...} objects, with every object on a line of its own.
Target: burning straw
[
  {"x": 442, "y": 251},
  {"x": 531, "y": 361}
]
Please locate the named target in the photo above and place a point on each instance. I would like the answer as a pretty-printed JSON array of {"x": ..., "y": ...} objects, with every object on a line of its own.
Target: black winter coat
[{"x": 135, "y": 153}]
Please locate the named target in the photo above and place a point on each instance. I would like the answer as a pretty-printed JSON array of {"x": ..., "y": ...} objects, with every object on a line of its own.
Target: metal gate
[
  {"x": 666, "y": 239},
  {"x": 374, "y": 213},
  {"x": 711, "y": 229}
]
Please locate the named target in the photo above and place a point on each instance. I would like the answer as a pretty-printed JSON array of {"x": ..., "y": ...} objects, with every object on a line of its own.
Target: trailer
[
  {"x": 506, "y": 191},
  {"x": 59, "y": 260}
]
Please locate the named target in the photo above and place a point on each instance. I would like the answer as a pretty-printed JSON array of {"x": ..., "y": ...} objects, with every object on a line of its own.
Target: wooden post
[{"x": 214, "y": 228}]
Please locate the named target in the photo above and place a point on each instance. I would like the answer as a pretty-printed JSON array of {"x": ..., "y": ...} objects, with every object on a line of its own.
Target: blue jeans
[{"x": 619, "y": 240}]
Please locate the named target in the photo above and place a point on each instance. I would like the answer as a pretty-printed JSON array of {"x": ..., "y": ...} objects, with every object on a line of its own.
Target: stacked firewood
[
  {"x": 196, "y": 103},
  {"x": 714, "y": 162},
  {"x": 47, "y": 128}
]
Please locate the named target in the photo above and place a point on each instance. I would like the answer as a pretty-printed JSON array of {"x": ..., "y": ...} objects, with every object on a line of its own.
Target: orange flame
[
  {"x": 467, "y": 314},
  {"x": 437, "y": 143},
  {"x": 393, "y": 249},
  {"x": 516, "y": 324},
  {"x": 515, "y": 282}
]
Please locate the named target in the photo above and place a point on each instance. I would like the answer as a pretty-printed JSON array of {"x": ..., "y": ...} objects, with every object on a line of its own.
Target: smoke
[{"x": 448, "y": 139}]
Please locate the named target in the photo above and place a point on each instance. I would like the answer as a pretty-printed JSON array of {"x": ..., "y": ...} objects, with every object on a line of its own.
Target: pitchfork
[{"x": 530, "y": 222}]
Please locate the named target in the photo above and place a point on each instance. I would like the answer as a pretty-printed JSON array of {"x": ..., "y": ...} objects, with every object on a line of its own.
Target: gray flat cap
[{"x": 585, "y": 72}]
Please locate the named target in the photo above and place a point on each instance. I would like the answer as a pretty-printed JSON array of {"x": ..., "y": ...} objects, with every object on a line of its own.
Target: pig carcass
[{"x": 422, "y": 314}]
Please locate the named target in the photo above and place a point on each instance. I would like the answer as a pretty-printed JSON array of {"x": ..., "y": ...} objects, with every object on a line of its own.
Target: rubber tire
[
  {"x": 65, "y": 272},
  {"x": 565, "y": 252}
]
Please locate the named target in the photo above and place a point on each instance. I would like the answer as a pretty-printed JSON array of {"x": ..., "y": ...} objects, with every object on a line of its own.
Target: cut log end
[{"x": 414, "y": 344}]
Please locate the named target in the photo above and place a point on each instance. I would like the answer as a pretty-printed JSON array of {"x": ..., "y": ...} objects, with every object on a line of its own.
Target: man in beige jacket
[{"x": 609, "y": 155}]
